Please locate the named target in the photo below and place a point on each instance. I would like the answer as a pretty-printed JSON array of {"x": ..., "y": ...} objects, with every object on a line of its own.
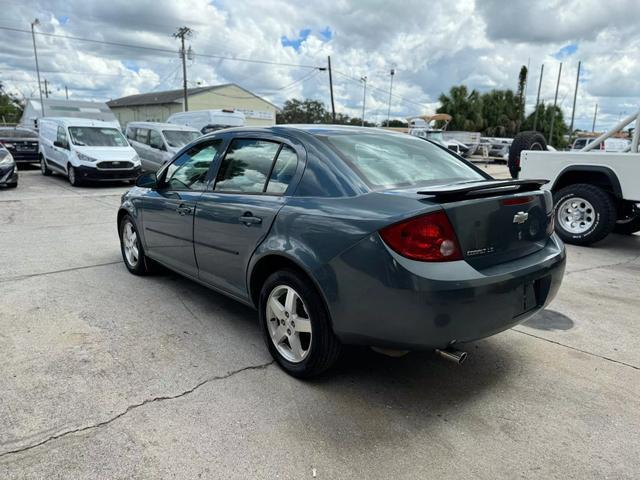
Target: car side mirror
[
  {"x": 147, "y": 180},
  {"x": 59, "y": 144}
]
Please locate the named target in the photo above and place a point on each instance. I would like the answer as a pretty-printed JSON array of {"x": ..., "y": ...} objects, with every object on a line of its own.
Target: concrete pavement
[{"x": 108, "y": 375}]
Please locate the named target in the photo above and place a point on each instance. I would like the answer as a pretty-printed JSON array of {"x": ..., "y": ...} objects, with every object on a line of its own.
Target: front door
[
  {"x": 234, "y": 216},
  {"x": 168, "y": 211}
]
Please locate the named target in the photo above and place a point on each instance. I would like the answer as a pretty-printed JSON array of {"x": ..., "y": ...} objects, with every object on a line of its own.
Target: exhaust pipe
[{"x": 452, "y": 355}]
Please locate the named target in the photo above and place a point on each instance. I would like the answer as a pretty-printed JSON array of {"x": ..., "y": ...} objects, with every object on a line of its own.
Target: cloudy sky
[{"x": 431, "y": 46}]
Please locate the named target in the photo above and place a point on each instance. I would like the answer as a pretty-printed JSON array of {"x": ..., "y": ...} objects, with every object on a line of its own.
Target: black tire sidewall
[
  {"x": 323, "y": 342},
  {"x": 140, "y": 267},
  {"x": 602, "y": 225}
]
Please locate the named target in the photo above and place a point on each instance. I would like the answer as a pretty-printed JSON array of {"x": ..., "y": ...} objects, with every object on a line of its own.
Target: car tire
[
  {"x": 530, "y": 140},
  {"x": 584, "y": 214},
  {"x": 72, "y": 176},
  {"x": 628, "y": 226},
  {"x": 43, "y": 166},
  {"x": 319, "y": 347},
  {"x": 131, "y": 248}
]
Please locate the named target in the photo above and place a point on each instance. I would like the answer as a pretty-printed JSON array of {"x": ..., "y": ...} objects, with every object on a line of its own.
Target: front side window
[
  {"x": 179, "y": 138},
  {"x": 246, "y": 166},
  {"x": 189, "y": 170},
  {"x": 397, "y": 160},
  {"x": 97, "y": 137}
]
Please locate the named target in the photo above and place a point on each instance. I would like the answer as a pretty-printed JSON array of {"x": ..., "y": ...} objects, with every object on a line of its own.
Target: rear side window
[
  {"x": 246, "y": 166},
  {"x": 142, "y": 135},
  {"x": 155, "y": 140},
  {"x": 283, "y": 170},
  {"x": 62, "y": 136},
  {"x": 396, "y": 160},
  {"x": 131, "y": 133}
]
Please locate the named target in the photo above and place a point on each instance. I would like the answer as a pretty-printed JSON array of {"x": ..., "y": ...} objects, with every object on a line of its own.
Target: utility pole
[
  {"x": 535, "y": 111},
  {"x": 595, "y": 114},
  {"x": 363, "y": 79},
  {"x": 66, "y": 92},
  {"x": 181, "y": 34},
  {"x": 46, "y": 89},
  {"x": 575, "y": 96},
  {"x": 555, "y": 101},
  {"x": 35, "y": 54},
  {"x": 333, "y": 105},
  {"x": 392, "y": 72}
]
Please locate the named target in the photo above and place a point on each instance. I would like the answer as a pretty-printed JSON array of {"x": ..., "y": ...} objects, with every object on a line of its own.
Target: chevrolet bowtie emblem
[{"x": 520, "y": 217}]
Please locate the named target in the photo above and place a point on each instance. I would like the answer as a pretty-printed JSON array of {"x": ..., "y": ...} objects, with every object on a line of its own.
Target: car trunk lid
[{"x": 496, "y": 221}]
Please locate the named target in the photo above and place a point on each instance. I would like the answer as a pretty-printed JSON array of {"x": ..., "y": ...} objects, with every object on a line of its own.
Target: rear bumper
[
  {"x": 25, "y": 157},
  {"x": 106, "y": 175},
  {"x": 383, "y": 299},
  {"x": 8, "y": 175}
]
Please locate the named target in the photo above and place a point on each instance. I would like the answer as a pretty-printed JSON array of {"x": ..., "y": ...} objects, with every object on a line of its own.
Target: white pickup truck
[{"x": 594, "y": 192}]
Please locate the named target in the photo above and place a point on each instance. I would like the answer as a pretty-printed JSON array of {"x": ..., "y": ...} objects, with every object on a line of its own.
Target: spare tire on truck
[{"x": 530, "y": 140}]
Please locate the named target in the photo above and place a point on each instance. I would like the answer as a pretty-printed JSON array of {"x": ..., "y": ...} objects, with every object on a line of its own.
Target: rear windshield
[
  {"x": 17, "y": 133},
  {"x": 179, "y": 138},
  {"x": 97, "y": 137},
  {"x": 387, "y": 161}
]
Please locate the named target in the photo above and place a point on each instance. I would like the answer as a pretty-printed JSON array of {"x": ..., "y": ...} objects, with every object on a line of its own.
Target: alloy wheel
[
  {"x": 288, "y": 323},
  {"x": 576, "y": 215},
  {"x": 130, "y": 244}
]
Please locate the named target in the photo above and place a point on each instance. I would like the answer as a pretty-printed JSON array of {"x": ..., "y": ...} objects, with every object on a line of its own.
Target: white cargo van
[
  {"x": 157, "y": 143},
  {"x": 206, "y": 121},
  {"x": 86, "y": 150}
]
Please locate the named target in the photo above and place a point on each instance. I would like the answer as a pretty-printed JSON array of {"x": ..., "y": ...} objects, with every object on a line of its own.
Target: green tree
[
  {"x": 303, "y": 111},
  {"x": 500, "y": 112},
  {"x": 545, "y": 113},
  {"x": 10, "y": 107},
  {"x": 465, "y": 107},
  {"x": 395, "y": 124},
  {"x": 522, "y": 82}
]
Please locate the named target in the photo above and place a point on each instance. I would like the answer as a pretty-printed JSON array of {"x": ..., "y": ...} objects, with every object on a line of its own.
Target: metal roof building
[{"x": 158, "y": 106}]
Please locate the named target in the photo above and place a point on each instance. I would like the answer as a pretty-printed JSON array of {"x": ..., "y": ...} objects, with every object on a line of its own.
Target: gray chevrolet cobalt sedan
[{"x": 347, "y": 235}]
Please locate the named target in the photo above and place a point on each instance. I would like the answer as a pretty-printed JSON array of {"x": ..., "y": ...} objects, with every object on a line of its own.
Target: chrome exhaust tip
[{"x": 453, "y": 355}]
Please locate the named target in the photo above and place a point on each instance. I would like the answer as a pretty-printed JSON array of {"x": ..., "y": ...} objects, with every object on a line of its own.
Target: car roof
[
  {"x": 79, "y": 122},
  {"x": 313, "y": 129},
  {"x": 172, "y": 126}
]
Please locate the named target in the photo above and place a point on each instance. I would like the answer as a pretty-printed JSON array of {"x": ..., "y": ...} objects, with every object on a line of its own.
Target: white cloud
[{"x": 432, "y": 46}]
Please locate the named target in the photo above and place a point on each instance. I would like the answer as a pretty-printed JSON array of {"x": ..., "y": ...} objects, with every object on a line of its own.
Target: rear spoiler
[{"x": 483, "y": 187}]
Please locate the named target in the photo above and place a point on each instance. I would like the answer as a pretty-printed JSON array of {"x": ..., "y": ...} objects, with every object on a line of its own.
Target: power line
[
  {"x": 158, "y": 49},
  {"x": 386, "y": 92}
]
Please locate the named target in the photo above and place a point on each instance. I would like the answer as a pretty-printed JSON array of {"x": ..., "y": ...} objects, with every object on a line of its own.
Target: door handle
[
  {"x": 248, "y": 219},
  {"x": 184, "y": 209}
]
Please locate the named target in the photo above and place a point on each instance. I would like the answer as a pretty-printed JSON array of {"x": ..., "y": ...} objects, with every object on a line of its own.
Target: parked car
[
  {"x": 21, "y": 142},
  {"x": 347, "y": 235},
  {"x": 8, "y": 169},
  {"x": 206, "y": 121},
  {"x": 86, "y": 150},
  {"x": 609, "y": 145},
  {"x": 157, "y": 143}
]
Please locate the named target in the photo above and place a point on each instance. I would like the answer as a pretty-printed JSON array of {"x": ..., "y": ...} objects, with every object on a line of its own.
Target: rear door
[
  {"x": 157, "y": 150},
  {"x": 167, "y": 213},
  {"x": 236, "y": 213}
]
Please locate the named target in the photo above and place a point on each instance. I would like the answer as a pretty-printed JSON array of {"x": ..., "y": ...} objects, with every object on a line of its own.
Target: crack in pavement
[
  {"x": 134, "y": 407},
  {"x": 64, "y": 270},
  {"x": 577, "y": 349}
]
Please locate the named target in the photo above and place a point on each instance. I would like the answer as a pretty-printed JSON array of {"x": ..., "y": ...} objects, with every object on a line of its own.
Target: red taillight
[{"x": 428, "y": 238}]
